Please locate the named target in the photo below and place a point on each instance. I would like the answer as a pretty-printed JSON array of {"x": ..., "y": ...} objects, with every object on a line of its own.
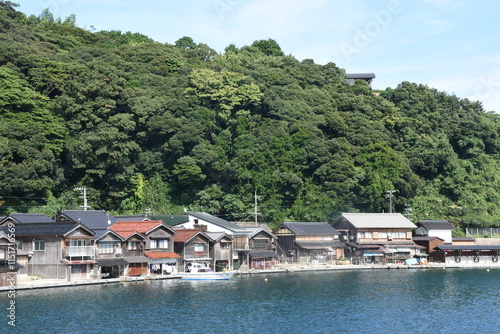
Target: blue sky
[{"x": 451, "y": 45}]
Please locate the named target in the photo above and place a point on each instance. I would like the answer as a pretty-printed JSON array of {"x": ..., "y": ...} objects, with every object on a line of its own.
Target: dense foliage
[{"x": 142, "y": 124}]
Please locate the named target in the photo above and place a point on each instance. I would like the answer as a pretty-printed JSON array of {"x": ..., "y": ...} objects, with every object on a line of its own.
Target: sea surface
[{"x": 372, "y": 301}]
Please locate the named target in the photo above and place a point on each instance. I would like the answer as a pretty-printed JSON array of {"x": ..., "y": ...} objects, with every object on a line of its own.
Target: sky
[{"x": 450, "y": 45}]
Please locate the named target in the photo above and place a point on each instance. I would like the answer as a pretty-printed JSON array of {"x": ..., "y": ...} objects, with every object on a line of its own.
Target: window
[
  {"x": 77, "y": 242},
  {"x": 39, "y": 245},
  {"x": 225, "y": 245},
  {"x": 105, "y": 248},
  {"x": 133, "y": 245},
  {"x": 365, "y": 235},
  {"x": 159, "y": 243},
  {"x": 382, "y": 235},
  {"x": 259, "y": 243},
  {"x": 199, "y": 248},
  {"x": 328, "y": 238}
]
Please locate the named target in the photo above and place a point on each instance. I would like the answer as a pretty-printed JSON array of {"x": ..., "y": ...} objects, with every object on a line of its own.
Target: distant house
[
  {"x": 377, "y": 237},
  {"x": 109, "y": 255},
  {"x": 435, "y": 228},
  {"x": 148, "y": 246},
  {"x": 367, "y": 77},
  {"x": 309, "y": 242}
]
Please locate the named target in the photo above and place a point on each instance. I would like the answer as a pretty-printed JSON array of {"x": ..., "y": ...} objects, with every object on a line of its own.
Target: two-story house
[
  {"x": 148, "y": 246},
  {"x": 192, "y": 245},
  {"x": 221, "y": 250},
  {"x": 309, "y": 242},
  {"x": 241, "y": 236},
  {"x": 377, "y": 237}
]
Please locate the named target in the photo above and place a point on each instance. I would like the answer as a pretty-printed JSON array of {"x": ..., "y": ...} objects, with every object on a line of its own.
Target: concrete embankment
[{"x": 55, "y": 283}]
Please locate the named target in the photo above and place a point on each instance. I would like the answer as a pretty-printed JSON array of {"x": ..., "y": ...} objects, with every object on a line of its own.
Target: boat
[{"x": 202, "y": 272}]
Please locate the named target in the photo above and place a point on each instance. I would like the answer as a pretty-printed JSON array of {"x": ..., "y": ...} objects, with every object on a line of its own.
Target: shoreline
[{"x": 54, "y": 283}]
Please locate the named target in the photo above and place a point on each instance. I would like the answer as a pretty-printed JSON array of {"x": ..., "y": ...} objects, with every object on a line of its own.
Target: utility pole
[
  {"x": 255, "y": 211},
  {"x": 83, "y": 191},
  {"x": 390, "y": 196},
  {"x": 408, "y": 211}
]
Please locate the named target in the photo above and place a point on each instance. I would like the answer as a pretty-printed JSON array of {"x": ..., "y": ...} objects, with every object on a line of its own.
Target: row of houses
[{"x": 92, "y": 244}]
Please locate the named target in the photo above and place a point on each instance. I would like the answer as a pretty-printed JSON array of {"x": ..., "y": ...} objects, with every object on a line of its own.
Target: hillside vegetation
[{"x": 143, "y": 124}]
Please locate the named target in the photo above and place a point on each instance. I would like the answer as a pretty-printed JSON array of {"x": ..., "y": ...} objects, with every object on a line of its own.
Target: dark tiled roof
[
  {"x": 462, "y": 239},
  {"x": 26, "y": 218},
  {"x": 313, "y": 228},
  {"x": 261, "y": 254},
  {"x": 436, "y": 224},
  {"x": 219, "y": 222},
  {"x": 360, "y": 75},
  {"x": 93, "y": 219},
  {"x": 425, "y": 238},
  {"x": 171, "y": 220},
  {"x": 131, "y": 218},
  {"x": 46, "y": 229}
]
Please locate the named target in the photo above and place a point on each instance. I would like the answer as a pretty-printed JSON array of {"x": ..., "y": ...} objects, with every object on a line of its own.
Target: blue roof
[
  {"x": 93, "y": 219},
  {"x": 35, "y": 229},
  {"x": 26, "y": 218},
  {"x": 311, "y": 228}
]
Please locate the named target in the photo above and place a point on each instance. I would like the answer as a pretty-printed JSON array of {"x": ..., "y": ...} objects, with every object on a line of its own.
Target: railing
[{"x": 79, "y": 251}]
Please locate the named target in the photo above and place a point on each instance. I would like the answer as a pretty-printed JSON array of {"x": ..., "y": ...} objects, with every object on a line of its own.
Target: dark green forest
[{"x": 143, "y": 124}]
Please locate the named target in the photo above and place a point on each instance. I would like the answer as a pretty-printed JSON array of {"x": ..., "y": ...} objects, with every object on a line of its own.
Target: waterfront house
[
  {"x": 148, "y": 246},
  {"x": 221, "y": 250},
  {"x": 377, "y": 237},
  {"x": 261, "y": 251},
  {"x": 58, "y": 250},
  {"x": 109, "y": 258},
  {"x": 309, "y": 242},
  {"x": 193, "y": 246},
  {"x": 242, "y": 238},
  {"x": 435, "y": 228}
]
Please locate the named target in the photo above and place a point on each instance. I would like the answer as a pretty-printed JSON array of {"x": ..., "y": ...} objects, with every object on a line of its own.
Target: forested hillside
[{"x": 143, "y": 124}]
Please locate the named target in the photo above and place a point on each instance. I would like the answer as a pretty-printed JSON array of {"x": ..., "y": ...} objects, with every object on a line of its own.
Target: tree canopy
[{"x": 144, "y": 124}]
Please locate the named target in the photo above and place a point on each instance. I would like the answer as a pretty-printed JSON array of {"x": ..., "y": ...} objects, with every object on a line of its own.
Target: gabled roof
[
  {"x": 132, "y": 218},
  {"x": 93, "y": 219},
  {"x": 127, "y": 228},
  {"x": 257, "y": 230},
  {"x": 312, "y": 228},
  {"x": 435, "y": 224},
  {"x": 373, "y": 220},
  {"x": 103, "y": 233},
  {"x": 26, "y": 218},
  {"x": 217, "y": 236},
  {"x": 185, "y": 235},
  {"x": 219, "y": 222},
  {"x": 57, "y": 229}
]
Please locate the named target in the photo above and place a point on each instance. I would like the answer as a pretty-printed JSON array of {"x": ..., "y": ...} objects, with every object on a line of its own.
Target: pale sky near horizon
[{"x": 450, "y": 45}]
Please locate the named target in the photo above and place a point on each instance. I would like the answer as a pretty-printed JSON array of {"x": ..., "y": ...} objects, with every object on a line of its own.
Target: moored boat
[{"x": 201, "y": 272}]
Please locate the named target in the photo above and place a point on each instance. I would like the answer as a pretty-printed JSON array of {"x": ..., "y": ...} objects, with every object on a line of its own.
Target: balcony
[{"x": 79, "y": 251}]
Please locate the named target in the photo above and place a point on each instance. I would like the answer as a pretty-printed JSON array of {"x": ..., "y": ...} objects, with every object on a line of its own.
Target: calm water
[{"x": 378, "y": 301}]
